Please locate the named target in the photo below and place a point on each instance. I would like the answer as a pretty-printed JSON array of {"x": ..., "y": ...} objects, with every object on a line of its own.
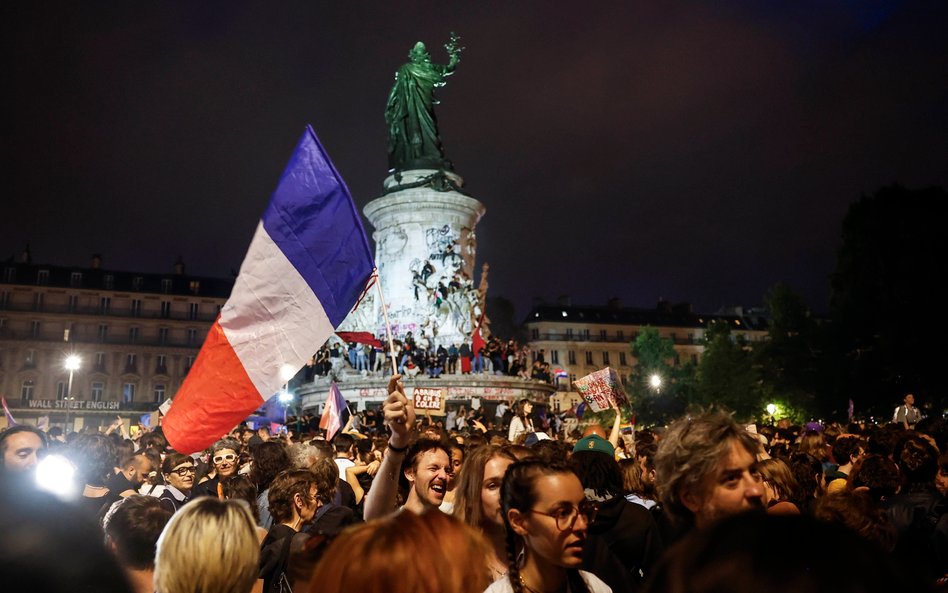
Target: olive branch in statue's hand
[{"x": 452, "y": 46}]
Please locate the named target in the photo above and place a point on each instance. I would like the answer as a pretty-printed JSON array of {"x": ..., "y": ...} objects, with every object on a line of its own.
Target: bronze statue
[{"x": 413, "y": 140}]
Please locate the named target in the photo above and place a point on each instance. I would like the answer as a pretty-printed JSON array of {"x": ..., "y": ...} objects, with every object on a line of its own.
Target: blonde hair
[
  {"x": 210, "y": 545},
  {"x": 405, "y": 553}
]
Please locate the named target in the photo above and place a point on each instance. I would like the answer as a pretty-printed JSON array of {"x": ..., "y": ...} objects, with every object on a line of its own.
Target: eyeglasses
[
  {"x": 226, "y": 457},
  {"x": 183, "y": 471},
  {"x": 566, "y": 516}
]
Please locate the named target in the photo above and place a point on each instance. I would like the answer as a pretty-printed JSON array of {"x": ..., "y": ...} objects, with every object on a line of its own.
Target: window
[
  {"x": 130, "y": 362},
  {"x": 137, "y": 283},
  {"x": 620, "y": 335},
  {"x": 195, "y": 286},
  {"x": 9, "y": 275},
  {"x": 133, "y": 335},
  {"x": 128, "y": 392},
  {"x": 535, "y": 334},
  {"x": 29, "y": 359},
  {"x": 75, "y": 279},
  {"x": 192, "y": 311},
  {"x": 4, "y": 299},
  {"x": 584, "y": 334},
  {"x": 42, "y": 277},
  {"x": 188, "y": 363},
  {"x": 166, "y": 309},
  {"x": 622, "y": 359},
  {"x": 555, "y": 356},
  {"x": 38, "y": 301},
  {"x": 98, "y": 389},
  {"x": 571, "y": 357},
  {"x": 105, "y": 304},
  {"x": 569, "y": 333},
  {"x": 35, "y": 327},
  {"x": 605, "y": 359},
  {"x": 572, "y": 379},
  {"x": 66, "y": 334},
  {"x": 192, "y": 336},
  {"x": 673, "y": 338},
  {"x": 162, "y": 335},
  {"x": 602, "y": 334},
  {"x": 136, "y": 307},
  {"x": 159, "y": 393},
  {"x": 73, "y": 303},
  {"x": 26, "y": 390},
  {"x": 589, "y": 357},
  {"x": 61, "y": 390},
  {"x": 103, "y": 332},
  {"x": 109, "y": 281},
  {"x": 166, "y": 285},
  {"x": 161, "y": 364}
]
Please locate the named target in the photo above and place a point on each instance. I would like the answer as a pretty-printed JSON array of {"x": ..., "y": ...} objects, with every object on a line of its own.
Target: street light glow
[
  {"x": 771, "y": 409},
  {"x": 655, "y": 381},
  {"x": 285, "y": 397},
  {"x": 287, "y": 372},
  {"x": 72, "y": 362}
]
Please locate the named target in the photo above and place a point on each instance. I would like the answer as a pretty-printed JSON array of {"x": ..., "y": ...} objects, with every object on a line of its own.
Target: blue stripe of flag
[{"x": 314, "y": 222}]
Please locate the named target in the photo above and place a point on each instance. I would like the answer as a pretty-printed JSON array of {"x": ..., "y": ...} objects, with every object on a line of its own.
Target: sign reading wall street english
[
  {"x": 57, "y": 404},
  {"x": 426, "y": 398}
]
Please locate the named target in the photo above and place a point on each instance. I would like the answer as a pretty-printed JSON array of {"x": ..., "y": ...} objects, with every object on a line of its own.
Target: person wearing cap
[{"x": 623, "y": 541}]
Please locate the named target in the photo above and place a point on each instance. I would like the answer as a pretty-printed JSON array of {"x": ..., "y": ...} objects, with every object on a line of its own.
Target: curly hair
[
  {"x": 269, "y": 459},
  {"x": 690, "y": 452},
  {"x": 284, "y": 487}
]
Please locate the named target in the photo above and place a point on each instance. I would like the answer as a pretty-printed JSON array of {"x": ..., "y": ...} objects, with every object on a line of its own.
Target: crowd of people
[
  {"x": 420, "y": 358},
  {"x": 406, "y": 504}
]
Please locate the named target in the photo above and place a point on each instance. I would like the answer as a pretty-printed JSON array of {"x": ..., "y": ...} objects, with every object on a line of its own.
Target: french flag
[
  {"x": 333, "y": 412},
  {"x": 308, "y": 263}
]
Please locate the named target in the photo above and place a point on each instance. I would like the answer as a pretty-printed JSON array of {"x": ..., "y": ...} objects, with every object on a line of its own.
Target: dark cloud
[{"x": 688, "y": 150}]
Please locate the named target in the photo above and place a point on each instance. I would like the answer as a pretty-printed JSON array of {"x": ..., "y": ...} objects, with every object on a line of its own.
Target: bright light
[
  {"x": 73, "y": 362},
  {"x": 287, "y": 372},
  {"x": 57, "y": 475},
  {"x": 771, "y": 409},
  {"x": 655, "y": 381},
  {"x": 285, "y": 397}
]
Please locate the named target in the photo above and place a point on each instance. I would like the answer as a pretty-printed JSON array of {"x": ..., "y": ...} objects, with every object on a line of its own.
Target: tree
[
  {"x": 654, "y": 356},
  {"x": 726, "y": 375},
  {"x": 886, "y": 299},
  {"x": 789, "y": 360}
]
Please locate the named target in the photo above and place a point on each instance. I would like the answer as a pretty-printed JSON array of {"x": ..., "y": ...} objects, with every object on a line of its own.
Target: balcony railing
[
  {"x": 613, "y": 339},
  {"x": 111, "y": 312}
]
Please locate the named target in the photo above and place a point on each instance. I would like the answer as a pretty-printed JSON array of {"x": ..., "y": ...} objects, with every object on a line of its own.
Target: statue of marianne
[{"x": 413, "y": 140}]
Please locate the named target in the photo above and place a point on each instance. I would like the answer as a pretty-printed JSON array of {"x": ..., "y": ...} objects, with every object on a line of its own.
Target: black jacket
[{"x": 622, "y": 545}]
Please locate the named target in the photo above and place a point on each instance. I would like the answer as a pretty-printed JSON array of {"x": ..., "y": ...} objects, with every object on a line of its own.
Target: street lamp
[
  {"x": 72, "y": 365},
  {"x": 655, "y": 381},
  {"x": 771, "y": 409},
  {"x": 286, "y": 373}
]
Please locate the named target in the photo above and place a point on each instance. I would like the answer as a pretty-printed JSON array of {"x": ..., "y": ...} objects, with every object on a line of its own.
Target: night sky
[{"x": 691, "y": 151}]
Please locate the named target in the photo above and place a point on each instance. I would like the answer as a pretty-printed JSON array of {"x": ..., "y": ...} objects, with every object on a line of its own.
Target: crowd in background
[
  {"x": 420, "y": 358},
  {"x": 483, "y": 501}
]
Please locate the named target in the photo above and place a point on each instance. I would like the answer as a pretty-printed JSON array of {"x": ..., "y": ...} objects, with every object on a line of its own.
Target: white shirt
[
  {"x": 342, "y": 464},
  {"x": 593, "y": 583}
]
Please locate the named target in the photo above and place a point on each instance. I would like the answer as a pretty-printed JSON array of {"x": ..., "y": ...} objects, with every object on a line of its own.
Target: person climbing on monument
[{"x": 413, "y": 139}]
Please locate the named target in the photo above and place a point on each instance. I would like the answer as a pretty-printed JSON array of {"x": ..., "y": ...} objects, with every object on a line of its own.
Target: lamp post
[
  {"x": 72, "y": 365},
  {"x": 771, "y": 409},
  {"x": 286, "y": 373}
]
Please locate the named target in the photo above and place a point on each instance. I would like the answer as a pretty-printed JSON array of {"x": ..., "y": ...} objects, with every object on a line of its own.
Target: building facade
[
  {"x": 580, "y": 340},
  {"x": 135, "y": 336}
]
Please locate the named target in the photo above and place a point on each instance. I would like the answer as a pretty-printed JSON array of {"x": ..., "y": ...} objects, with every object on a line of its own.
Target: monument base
[{"x": 371, "y": 391}]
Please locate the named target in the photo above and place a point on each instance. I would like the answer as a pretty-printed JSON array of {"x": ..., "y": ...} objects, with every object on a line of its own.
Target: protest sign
[
  {"x": 602, "y": 390},
  {"x": 426, "y": 398}
]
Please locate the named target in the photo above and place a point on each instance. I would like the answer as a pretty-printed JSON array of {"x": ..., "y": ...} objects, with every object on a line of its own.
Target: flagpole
[{"x": 388, "y": 323}]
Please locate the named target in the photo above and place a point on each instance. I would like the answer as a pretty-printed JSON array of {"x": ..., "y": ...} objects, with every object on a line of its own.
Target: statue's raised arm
[{"x": 413, "y": 139}]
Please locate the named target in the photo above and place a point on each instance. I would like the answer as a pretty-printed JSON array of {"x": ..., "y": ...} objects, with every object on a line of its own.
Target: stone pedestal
[{"x": 425, "y": 251}]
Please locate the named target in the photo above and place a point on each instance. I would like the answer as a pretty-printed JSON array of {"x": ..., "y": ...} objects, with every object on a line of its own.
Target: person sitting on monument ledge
[{"x": 424, "y": 463}]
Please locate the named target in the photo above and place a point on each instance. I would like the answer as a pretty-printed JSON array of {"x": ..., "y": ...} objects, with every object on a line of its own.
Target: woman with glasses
[
  {"x": 293, "y": 503},
  {"x": 178, "y": 471},
  {"x": 225, "y": 460},
  {"x": 546, "y": 516}
]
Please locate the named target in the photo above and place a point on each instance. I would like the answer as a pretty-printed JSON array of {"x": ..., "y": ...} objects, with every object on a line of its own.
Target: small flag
[
  {"x": 42, "y": 423},
  {"x": 6, "y": 412},
  {"x": 332, "y": 419},
  {"x": 360, "y": 338},
  {"x": 306, "y": 266},
  {"x": 477, "y": 340}
]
